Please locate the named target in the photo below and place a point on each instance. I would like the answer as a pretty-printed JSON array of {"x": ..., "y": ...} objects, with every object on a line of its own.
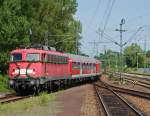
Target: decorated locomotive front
[{"x": 25, "y": 68}]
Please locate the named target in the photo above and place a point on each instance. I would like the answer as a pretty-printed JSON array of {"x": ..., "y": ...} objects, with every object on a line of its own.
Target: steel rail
[
  {"x": 11, "y": 98},
  {"x": 7, "y": 95},
  {"x": 106, "y": 108},
  {"x": 146, "y": 85},
  {"x": 128, "y": 91},
  {"x": 137, "y": 82},
  {"x": 102, "y": 102}
]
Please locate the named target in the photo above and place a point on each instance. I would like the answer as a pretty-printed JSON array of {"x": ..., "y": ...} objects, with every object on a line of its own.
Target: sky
[{"x": 97, "y": 16}]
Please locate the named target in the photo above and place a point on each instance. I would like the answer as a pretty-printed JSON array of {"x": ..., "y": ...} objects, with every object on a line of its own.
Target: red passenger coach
[
  {"x": 39, "y": 67},
  {"x": 82, "y": 66}
]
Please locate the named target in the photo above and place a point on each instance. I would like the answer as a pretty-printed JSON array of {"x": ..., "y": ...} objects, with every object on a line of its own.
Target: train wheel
[
  {"x": 68, "y": 82},
  {"x": 65, "y": 83},
  {"x": 49, "y": 89},
  {"x": 36, "y": 90}
]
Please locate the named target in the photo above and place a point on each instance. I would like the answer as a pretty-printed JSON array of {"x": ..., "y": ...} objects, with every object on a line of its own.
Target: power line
[
  {"x": 132, "y": 37},
  {"x": 108, "y": 15},
  {"x": 94, "y": 15},
  {"x": 104, "y": 15},
  {"x": 109, "y": 10},
  {"x": 138, "y": 17},
  {"x": 95, "y": 12},
  {"x": 108, "y": 37}
]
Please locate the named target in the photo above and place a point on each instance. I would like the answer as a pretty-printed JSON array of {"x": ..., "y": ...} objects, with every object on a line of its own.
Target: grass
[
  {"x": 34, "y": 105},
  {"x": 116, "y": 80}
]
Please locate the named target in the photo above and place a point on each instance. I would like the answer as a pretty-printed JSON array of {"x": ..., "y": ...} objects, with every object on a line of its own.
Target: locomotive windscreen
[
  {"x": 16, "y": 57},
  {"x": 33, "y": 57}
]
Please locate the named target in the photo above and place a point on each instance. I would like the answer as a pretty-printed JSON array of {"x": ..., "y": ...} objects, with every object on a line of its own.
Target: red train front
[{"x": 36, "y": 68}]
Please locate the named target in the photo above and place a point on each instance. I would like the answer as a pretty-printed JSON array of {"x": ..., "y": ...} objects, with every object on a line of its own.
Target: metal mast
[{"x": 121, "y": 46}]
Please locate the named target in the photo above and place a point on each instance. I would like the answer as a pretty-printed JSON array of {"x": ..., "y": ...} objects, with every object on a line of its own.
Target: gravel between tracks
[
  {"x": 131, "y": 86},
  {"x": 142, "y": 104},
  {"x": 90, "y": 104}
]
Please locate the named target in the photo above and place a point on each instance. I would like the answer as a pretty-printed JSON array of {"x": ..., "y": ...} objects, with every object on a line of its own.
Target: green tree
[
  {"x": 131, "y": 53},
  {"x": 148, "y": 53},
  {"x": 13, "y": 30},
  {"x": 109, "y": 59},
  {"x": 51, "y": 17}
]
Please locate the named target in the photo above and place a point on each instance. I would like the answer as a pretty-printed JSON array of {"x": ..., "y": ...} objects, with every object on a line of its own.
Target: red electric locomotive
[{"x": 38, "y": 67}]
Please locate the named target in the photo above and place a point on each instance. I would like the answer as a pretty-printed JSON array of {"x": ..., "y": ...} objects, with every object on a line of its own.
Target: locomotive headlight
[
  {"x": 31, "y": 71},
  {"x": 32, "y": 82},
  {"x": 11, "y": 82},
  {"x": 15, "y": 71}
]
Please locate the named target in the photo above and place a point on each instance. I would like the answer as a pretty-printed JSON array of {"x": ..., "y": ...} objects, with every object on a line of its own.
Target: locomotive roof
[
  {"x": 75, "y": 58},
  {"x": 33, "y": 50}
]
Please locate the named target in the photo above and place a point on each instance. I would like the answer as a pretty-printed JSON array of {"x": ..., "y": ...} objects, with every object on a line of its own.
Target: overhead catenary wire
[
  {"x": 108, "y": 37},
  {"x": 132, "y": 37},
  {"x": 108, "y": 15},
  {"x": 138, "y": 17},
  {"x": 92, "y": 17},
  {"x": 109, "y": 10},
  {"x": 95, "y": 12}
]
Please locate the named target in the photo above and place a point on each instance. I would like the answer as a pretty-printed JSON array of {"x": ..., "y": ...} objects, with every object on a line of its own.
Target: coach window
[
  {"x": 16, "y": 57},
  {"x": 44, "y": 57},
  {"x": 88, "y": 66},
  {"x": 62, "y": 60},
  {"x": 85, "y": 66},
  {"x": 78, "y": 65},
  {"x": 52, "y": 58},
  {"x": 49, "y": 59},
  {"x": 91, "y": 66},
  {"x": 59, "y": 59},
  {"x": 73, "y": 65},
  {"x": 33, "y": 57},
  {"x": 65, "y": 60},
  {"x": 55, "y": 59}
]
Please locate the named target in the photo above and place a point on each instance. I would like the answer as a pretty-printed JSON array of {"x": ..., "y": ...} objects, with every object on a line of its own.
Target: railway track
[
  {"x": 113, "y": 103},
  {"x": 137, "y": 76},
  {"x": 127, "y": 91},
  {"x": 136, "y": 81},
  {"x": 11, "y": 98}
]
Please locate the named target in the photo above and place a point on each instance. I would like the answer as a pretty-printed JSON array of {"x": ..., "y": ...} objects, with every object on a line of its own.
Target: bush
[
  {"x": 4, "y": 83},
  {"x": 44, "y": 99}
]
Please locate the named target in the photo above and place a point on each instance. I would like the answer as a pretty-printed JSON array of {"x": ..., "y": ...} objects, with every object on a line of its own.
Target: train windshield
[
  {"x": 33, "y": 57},
  {"x": 16, "y": 57}
]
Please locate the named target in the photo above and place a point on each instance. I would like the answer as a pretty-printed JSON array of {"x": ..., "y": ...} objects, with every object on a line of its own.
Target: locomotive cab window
[
  {"x": 33, "y": 57},
  {"x": 16, "y": 57}
]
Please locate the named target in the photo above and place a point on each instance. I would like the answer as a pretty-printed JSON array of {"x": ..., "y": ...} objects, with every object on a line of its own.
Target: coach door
[{"x": 93, "y": 68}]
